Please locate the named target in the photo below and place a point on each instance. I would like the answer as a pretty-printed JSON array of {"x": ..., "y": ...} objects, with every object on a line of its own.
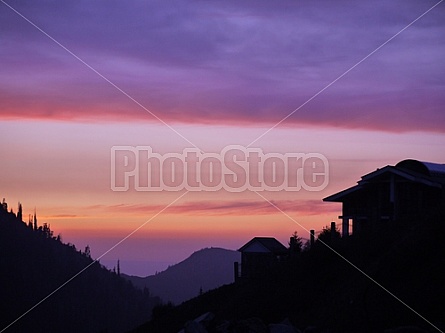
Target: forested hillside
[
  {"x": 390, "y": 281},
  {"x": 34, "y": 263}
]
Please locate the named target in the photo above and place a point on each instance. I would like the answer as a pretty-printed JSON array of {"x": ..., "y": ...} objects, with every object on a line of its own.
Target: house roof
[
  {"x": 434, "y": 170},
  {"x": 337, "y": 197},
  {"x": 264, "y": 244},
  {"x": 429, "y": 174}
]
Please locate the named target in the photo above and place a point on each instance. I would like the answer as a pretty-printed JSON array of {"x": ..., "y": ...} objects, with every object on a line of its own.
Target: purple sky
[
  {"x": 221, "y": 73},
  {"x": 226, "y": 62}
]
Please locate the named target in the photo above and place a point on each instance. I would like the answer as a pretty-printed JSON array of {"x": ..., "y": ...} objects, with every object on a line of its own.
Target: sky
[{"x": 361, "y": 83}]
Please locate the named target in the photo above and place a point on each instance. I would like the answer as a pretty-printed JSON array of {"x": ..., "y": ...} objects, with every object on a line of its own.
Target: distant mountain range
[
  {"x": 319, "y": 291},
  {"x": 204, "y": 270}
]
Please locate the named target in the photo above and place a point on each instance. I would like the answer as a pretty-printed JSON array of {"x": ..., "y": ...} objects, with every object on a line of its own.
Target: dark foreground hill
[
  {"x": 204, "y": 270},
  {"x": 34, "y": 263},
  {"x": 319, "y": 289}
]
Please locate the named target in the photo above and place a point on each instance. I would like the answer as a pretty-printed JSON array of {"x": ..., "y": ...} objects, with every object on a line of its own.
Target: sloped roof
[
  {"x": 434, "y": 170},
  {"x": 427, "y": 173},
  {"x": 337, "y": 197},
  {"x": 268, "y": 243}
]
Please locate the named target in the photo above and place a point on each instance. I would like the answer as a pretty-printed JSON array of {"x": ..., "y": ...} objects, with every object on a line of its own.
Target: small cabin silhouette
[
  {"x": 258, "y": 256},
  {"x": 409, "y": 191}
]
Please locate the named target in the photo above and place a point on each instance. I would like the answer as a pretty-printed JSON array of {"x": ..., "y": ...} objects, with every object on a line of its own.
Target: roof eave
[{"x": 339, "y": 195}]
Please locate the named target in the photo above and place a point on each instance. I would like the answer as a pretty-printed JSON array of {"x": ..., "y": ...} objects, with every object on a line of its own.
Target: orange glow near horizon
[
  {"x": 267, "y": 78},
  {"x": 66, "y": 176}
]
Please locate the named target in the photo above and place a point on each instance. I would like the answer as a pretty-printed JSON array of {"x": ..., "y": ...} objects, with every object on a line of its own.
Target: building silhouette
[
  {"x": 258, "y": 256},
  {"x": 392, "y": 196}
]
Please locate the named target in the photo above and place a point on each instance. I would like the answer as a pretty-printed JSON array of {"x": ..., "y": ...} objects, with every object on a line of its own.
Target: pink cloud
[
  {"x": 239, "y": 208},
  {"x": 227, "y": 63}
]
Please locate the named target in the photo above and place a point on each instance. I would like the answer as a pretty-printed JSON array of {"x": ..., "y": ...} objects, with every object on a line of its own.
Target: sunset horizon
[{"x": 360, "y": 84}]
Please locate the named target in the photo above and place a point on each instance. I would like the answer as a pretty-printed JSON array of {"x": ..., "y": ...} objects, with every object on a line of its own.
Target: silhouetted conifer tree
[
  {"x": 20, "y": 212},
  {"x": 35, "y": 220},
  {"x": 327, "y": 235},
  {"x": 295, "y": 243},
  {"x": 87, "y": 251},
  {"x": 47, "y": 230}
]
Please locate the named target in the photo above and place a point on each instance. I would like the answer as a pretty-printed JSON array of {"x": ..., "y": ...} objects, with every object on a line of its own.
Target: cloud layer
[
  {"x": 226, "y": 62},
  {"x": 221, "y": 208}
]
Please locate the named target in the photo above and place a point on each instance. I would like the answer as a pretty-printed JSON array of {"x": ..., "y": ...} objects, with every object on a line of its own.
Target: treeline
[
  {"x": 34, "y": 264},
  {"x": 319, "y": 290},
  {"x": 44, "y": 230}
]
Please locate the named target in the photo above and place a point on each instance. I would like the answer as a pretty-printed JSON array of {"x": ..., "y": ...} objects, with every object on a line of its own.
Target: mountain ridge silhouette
[
  {"x": 73, "y": 293},
  {"x": 203, "y": 270}
]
